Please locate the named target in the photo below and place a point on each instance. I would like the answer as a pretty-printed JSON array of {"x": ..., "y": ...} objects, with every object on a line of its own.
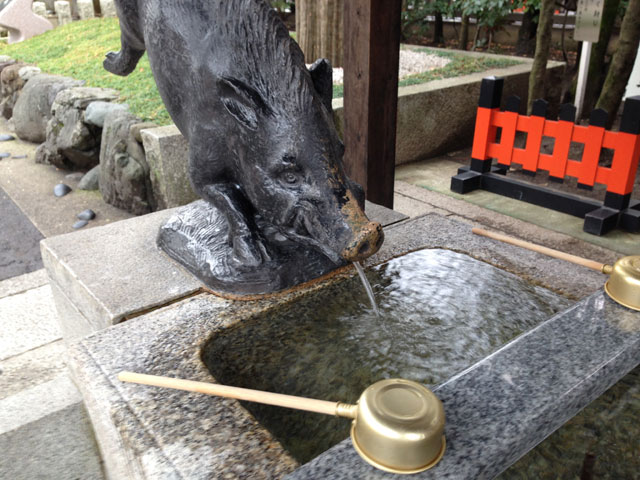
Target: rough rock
[
  {"x": 70, "y": 142},
  {"x": 28, "y": 71},
  {"x": 10, "y": 85},
  {"x": 32, "y": 110},
  {"x": 136, "y": 130},
  {"x": 97, "y": 111},
  {"x": 91, "y": 179},
  {"x": 124, "y": 175}
]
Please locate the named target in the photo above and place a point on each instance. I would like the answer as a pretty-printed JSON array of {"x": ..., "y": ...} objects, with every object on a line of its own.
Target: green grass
[{"x": 78, "y": 49}]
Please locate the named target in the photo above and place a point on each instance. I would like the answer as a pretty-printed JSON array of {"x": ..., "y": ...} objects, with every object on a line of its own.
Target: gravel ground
[{"x": 411, "y": 63}]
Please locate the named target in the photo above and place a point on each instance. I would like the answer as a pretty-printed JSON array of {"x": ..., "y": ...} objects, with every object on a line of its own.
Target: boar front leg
[{"x": 244, "y": 237}]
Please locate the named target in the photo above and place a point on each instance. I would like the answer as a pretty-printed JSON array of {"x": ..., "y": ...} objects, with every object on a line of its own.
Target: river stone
[
  {"x": 11, "y": 84},
  {"x": 124, "y": 176},
  {"x": 80, "y": 224},
  {"x": 97, "y": 111},
  {"x": 32, "y": 110},
  {"x": 61, "y": 189},
  {"x": 87, "y": 214},
  {"x": 5, "y": 138},
  {"x": 70, "y": 142},
  {"x": 91, "y": 179}
]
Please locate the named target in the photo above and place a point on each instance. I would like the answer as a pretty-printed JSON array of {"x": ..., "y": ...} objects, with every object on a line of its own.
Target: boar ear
[
  {"x": 322, "y": 76},
  {"x": 241, "y": 101}
]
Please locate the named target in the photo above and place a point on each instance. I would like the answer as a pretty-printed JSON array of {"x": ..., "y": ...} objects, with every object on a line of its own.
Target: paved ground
[{"x": 44, "y": 430}]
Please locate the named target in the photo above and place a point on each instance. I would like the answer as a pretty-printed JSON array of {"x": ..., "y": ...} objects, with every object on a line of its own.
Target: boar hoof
[
  {"x": 249, "y": 251},
  {"x": 122, "y": 63}
]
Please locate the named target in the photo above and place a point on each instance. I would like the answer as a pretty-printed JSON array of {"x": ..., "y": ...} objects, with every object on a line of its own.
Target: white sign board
[
  {"x": 588, "y": 18},
  {"x": 633, "y": 87}
]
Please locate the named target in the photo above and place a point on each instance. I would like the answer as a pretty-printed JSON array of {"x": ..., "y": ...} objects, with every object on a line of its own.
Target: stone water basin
[{"x": 441, "y": 312}]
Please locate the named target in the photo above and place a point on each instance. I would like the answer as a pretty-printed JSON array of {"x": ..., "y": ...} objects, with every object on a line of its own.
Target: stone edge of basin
[
  {"x": 168, "y": 341},
  {"x": 506, "y": 404}
]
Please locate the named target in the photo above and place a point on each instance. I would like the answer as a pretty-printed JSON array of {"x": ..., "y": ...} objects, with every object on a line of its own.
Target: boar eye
[{"x": 290, "y": 177}]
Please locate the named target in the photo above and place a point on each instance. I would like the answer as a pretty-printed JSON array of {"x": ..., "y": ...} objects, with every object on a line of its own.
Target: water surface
[{"x": 440, "y": 312}]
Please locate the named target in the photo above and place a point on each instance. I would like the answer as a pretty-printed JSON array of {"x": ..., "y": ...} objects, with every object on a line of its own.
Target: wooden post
[{"x": 371, "y": 56}]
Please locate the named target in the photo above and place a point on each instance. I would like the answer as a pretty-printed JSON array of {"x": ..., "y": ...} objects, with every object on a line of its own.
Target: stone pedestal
[
  {"x": 85, "y": 9},
  {"x": 39, "y": 8},
  {"x": 63, "y": 10},
  {"x": 108, "y": 8}
]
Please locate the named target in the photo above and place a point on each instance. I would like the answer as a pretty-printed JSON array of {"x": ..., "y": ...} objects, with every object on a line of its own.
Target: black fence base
[{"x": 598, "y": 218}]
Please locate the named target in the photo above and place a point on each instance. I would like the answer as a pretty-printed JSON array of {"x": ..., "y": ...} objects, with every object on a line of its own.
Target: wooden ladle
[
  {"x": 623, "y": 285},
  {"x": 397, "y": 424}
]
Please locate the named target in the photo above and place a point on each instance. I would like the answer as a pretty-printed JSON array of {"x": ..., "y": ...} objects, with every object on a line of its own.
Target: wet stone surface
[{"x": 441, "y": 312}]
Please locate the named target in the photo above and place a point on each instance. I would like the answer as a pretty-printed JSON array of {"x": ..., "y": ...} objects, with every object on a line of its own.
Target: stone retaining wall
[{"x": 144, "y": 167}]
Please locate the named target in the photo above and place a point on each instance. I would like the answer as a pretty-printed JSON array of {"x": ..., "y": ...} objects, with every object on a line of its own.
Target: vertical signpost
[{"x": 588, "y": 19}]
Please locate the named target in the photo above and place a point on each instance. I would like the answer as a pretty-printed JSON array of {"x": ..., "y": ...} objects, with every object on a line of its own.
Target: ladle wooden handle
[
  {"x": 278, "y": 399},
  {"x": 585, "y": 262}
]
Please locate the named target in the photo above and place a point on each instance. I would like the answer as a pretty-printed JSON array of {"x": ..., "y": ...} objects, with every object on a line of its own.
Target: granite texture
[
  {"x": 506, "y": 404},
  {"x": 125, "y": 254},
  {"x": 516, "y": 396}
]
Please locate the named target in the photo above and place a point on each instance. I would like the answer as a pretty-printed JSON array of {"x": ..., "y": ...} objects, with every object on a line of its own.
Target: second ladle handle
[
  {"x": 278, "y": 399},
  {"x": 585, "y": 262}
]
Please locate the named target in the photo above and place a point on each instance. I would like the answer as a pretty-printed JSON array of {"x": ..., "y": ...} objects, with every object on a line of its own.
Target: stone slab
[
  {"x": 32, "y": 368},
  {"x": 19, "y": 242},
  {"x": 116, "y": 270},
  {"x": 143, "y": 431},
  {"x": 27, "y": 321},
  {"x": 509, "y": 402},
  {"x": 39, "y": 401},
  {"x": 22, "y": 283},
  {"x": 125, "y": 254},
  {"x": 40, "y": 450}
]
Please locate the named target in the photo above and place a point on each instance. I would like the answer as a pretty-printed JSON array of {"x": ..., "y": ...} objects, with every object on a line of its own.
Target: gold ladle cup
[{"x": 398, "y": 425}]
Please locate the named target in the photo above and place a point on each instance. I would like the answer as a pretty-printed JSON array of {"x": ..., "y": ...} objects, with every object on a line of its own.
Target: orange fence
[{"x": 495, "y": 137}]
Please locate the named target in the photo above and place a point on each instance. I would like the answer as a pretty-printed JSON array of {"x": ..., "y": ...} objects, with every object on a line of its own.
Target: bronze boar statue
[{"x": 265, "y": 155}]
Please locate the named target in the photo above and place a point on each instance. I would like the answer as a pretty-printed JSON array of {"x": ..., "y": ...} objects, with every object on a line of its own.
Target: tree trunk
[
  {"x": 438, "y": 31},
  {"x": 319, "y": 25},
  {"x": 595, "y": 77},
  {"x": 543, "y": 42},
  {"x": 463, "y": 38},
  {"x": 622, "y": 62},
  {"x": 527, "y": 33}
]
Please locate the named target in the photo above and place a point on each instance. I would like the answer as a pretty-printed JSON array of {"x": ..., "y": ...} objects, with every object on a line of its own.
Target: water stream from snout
[{"x": 367, "y": 287}]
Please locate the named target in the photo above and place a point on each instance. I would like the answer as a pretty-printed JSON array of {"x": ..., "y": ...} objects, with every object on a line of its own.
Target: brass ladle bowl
[
  {"x": 623, "y": 285},
  {"x": 398, "y": 425}
]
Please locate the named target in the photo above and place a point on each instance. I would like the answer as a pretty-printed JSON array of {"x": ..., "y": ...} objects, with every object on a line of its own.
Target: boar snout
[{"x": 366, "y": 241}]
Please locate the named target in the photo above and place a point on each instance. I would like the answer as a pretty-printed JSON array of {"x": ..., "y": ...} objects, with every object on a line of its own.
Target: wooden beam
[{"x": 371, "y": 56}]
